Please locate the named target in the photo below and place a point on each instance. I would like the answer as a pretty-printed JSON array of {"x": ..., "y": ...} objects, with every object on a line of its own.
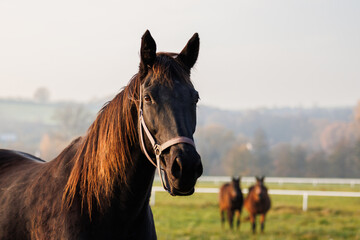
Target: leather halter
[{"x": 158, "y": 148}]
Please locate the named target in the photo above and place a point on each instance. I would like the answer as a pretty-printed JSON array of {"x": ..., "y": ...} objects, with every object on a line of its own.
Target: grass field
[{"x": 197, "y": 217}]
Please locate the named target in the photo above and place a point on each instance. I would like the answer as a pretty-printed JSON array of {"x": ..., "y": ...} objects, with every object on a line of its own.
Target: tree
[
  {"x": 299, "y": 157},
  {"x": 212, "y": 142},
  {"x": 356, "y": 153},
  {"x": 317, "y": 165},
  {"x": 73, "y": 120},
  {"x": 357, "y": 120},
  {"x": 344, "y": 161},
  {"x": 239, "y": 161},
  {"x": 282, "y": 160},
  {"x": 261, "y": 153},
  {"x": 289, "y": 160},
  {"x": 357, "y": 112},
  {"x": 42, "y": 95},
  {"x": 338, "y": 160}
]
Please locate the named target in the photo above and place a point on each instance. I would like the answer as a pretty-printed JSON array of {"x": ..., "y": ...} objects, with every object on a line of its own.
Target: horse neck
[
  {"x": 140, "y": 178},
  {"x": 237, "y": 187},
  {"x": 109, "y": 168}
]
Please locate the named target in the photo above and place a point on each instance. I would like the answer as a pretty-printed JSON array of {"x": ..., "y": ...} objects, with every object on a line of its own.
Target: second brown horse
[{"x": 257, "y": 202}]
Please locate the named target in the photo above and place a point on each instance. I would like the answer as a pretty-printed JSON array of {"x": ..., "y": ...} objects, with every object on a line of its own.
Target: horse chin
[{"x": 177, "y": 192}]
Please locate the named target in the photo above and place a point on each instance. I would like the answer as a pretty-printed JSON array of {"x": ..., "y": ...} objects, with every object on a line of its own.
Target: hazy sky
[{"x": 252, "y": 53}]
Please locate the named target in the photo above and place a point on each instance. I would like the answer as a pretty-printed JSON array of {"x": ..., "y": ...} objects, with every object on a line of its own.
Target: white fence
[{"x": 304, "y": 193}]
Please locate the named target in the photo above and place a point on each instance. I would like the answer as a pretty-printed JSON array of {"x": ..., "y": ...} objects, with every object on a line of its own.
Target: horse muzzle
[{"x": 182, "y": 167}]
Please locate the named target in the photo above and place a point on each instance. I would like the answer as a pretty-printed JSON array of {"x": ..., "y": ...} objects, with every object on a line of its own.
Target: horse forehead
[
  {"x": 257, "y": 189},
  {"x": 177, "y": 90}
]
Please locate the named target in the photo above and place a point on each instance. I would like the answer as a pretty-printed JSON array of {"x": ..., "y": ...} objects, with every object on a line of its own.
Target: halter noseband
[{"x": 158, "y": 148}]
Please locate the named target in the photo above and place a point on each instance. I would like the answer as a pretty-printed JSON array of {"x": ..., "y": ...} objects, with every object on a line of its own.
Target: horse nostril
[{"x": 176, "y": 168}]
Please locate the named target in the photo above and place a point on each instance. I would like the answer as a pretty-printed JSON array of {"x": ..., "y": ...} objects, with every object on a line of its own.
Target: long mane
[{"x": 104, "y": 152}]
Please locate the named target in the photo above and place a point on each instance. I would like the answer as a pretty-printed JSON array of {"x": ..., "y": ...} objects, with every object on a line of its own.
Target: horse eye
[{"x": 147, "y": 98}]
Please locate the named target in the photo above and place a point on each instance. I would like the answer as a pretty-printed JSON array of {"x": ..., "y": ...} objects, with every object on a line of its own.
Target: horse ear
[
  {"x": 262, "y": 178},
  {"x": 147, "y": 51},
  {"x": 189, "y": 54},
  {"x": 257, "y": 179}
]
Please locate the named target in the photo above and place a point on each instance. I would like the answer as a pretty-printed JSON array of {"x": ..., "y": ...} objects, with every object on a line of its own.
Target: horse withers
[
  {"x": 99, "y": 186},
  {"x": 231, "y": 202},
  {"x": 257, "y": 202}
]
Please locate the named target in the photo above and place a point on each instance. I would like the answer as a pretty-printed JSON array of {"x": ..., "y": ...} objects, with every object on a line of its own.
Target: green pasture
[{"x": 197, "y": 217}]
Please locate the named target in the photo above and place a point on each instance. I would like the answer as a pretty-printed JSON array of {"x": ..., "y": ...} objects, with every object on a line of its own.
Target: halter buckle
[{"x": 157, "y": 149}]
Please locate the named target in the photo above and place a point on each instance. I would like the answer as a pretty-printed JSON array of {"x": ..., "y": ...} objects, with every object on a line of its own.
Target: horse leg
[
  {"x": 222, "y": 218},
  {"x": 253, "y": 222},
  {"x": 262, "y": 221},
  {"x": 230, "y": 215},
  {"x": 238, "y": 215}
]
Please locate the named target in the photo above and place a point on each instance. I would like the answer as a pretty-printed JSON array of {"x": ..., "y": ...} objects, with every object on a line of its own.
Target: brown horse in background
[
  {"x": 231, "y": 201},
  {"x": 257, "y": 202}
]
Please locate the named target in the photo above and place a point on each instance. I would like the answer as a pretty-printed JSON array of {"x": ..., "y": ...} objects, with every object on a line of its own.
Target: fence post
[{"x": 305, "y": 202}]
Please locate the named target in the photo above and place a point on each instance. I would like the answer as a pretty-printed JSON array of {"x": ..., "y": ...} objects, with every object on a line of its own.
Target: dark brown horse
[
  {"x": 257, "y": 202},
  {"x": 99, "y": 186},
  {"x": 231, "y": 202}
]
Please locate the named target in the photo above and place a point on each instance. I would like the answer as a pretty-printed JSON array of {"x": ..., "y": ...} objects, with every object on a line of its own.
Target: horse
[
  {"x": 257, "y": 202},
  {"x": 231, "y": 202},
  {"x": 99, "y": 186}
]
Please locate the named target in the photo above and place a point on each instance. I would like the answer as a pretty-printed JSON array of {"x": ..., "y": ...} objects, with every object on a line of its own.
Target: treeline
[
  {"x": 289, "y": 142},
  {"x": 331, "y": 150}
]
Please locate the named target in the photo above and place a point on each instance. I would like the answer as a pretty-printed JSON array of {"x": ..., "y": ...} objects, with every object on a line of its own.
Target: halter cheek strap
[{"x": 158, "y": 148}]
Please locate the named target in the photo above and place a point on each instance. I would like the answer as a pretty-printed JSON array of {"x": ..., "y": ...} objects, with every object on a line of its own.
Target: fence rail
[{"x": 304, "y": 193}]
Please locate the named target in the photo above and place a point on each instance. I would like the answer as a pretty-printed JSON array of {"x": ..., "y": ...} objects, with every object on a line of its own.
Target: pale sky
[{"x": 252, "y": 53}]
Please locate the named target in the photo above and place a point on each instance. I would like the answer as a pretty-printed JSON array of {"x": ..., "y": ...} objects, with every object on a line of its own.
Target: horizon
[{"x": 104, "y": 100}]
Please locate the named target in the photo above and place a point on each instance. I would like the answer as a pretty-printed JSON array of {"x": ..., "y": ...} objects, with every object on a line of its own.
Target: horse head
[
  {"x": 260, "y": 189},
  {"x": 235, "y": 183},
  {"x": 167, "y": 114}
]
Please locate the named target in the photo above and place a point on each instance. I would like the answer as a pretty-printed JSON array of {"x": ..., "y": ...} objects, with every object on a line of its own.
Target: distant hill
[
  {"x": 276, "y": 142},
  {"x": 31, "y": 111},
  {"x": 292, "y": 125},
  {"x": 23, "y": 123}
]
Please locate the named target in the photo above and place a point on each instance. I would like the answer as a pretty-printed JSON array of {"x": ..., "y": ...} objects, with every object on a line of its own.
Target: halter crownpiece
[{"x": 158, "y": 148}]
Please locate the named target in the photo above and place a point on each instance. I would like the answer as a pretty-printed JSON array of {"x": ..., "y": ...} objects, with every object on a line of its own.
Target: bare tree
[
  {"x": 73, "y": 120},
  {"x": 239, "y": 161},
  {"x": 42, "y": 95},
  {"x": 213, "y": 141}
]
